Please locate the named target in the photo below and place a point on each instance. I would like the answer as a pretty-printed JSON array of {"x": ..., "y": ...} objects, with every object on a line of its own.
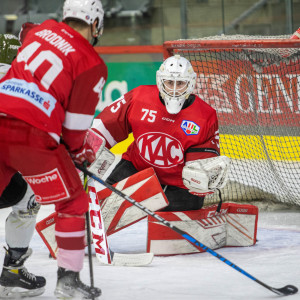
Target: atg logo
[
  {"x": 189, "y": 127},
  {"x": 160, "y": 150}
]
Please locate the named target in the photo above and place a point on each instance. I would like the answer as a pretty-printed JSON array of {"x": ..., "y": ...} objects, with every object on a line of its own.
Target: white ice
[{"x": 274, "y": 260}]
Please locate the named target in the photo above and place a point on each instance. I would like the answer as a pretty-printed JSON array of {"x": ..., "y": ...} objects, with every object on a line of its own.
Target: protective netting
[{"x": 254, "y": 85}]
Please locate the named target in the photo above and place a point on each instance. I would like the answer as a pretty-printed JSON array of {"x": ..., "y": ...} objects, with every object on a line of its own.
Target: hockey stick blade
[
  {"x": 128, "y": 259},
  {"x": 285, "y": 291},
  {"x": 131, "y": 260}
]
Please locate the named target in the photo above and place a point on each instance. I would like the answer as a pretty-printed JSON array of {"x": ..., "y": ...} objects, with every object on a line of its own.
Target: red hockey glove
[{"x": 84, "y": 154}]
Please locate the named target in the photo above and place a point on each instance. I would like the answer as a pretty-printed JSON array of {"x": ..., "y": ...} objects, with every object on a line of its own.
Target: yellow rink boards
[{"x": 283, "y": 148}]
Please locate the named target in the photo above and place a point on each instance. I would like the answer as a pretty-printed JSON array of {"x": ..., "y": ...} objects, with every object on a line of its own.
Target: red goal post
[
  {"x": 228, "y": 42},
  {"x": 253, "y": 82}
]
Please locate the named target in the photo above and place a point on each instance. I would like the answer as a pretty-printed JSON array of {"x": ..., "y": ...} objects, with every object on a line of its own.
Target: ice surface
[{"x": 275, "y": 260}]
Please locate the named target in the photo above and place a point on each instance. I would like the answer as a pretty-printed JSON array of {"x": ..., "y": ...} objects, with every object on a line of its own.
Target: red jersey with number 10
[
  {"x": 55, "y": 82},
  {"x": 161, "y": 140}
]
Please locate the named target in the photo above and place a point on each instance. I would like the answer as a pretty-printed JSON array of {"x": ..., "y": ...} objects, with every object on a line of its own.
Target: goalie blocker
[{"x": 235, "y": 225}]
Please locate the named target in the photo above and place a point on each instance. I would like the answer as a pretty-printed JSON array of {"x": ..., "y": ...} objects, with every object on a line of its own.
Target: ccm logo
[
  {"x": 242, "y": 210},
  {"x": 214, "y": 213},
  {"x": 50, "y": 221}
]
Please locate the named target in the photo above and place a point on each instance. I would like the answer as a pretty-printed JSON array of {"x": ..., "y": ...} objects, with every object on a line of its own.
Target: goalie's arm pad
[{"x": 204, "y": 176}]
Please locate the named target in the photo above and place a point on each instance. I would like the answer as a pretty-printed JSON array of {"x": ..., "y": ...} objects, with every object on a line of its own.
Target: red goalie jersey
[{"x": 161, "y": 140}]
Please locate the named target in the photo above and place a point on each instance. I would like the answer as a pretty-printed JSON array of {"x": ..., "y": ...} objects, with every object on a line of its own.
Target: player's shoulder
[
  {"x": 203, "y": 105},
  {"x": 145, "y": 90},
  {"x": 29, "y": 28},
  {"x": 139, "y": 95},
  {"x": 199, "y": 109},
  {"x": 142, "y": 94}
]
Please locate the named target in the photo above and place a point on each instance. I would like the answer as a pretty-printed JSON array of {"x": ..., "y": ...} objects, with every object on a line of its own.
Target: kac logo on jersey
[
  {"x": 160, "y": 150},
  {"x": 189, "y": 127}
]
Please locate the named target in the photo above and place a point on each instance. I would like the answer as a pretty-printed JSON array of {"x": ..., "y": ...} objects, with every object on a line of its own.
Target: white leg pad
[
  {"x": 235, "y": 225},
  {"x": 143, "y": 187}
]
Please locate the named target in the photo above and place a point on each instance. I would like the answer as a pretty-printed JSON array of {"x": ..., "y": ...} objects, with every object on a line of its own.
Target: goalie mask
[
  {"x": 85, "y": 10},
  {"x": 175, "y": 80}
]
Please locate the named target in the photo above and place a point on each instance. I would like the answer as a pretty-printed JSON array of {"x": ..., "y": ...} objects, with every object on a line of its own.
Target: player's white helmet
[
  {"x": 178, "y": 69},
  {"x": 85, "y": 10}
]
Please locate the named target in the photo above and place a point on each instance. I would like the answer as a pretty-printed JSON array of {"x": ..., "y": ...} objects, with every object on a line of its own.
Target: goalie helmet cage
[{"x": 253, "y": 82}]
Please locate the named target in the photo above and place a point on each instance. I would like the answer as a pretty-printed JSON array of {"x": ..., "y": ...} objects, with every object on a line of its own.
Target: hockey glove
[
  {"x": 84, "y": 154},
  {"x": 204, "y": 176},
  {"x": 104, "y": 158}
]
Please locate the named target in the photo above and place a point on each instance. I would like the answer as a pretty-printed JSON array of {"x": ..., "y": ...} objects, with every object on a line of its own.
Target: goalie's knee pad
[{"x": 14, "y": 192}]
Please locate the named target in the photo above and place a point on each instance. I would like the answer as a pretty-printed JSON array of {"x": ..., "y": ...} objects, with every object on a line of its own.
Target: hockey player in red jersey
[
  {"x": 174, "y": 131},
  {"x": 20, "y": 223},
  {"x": 50, "y": 93}
]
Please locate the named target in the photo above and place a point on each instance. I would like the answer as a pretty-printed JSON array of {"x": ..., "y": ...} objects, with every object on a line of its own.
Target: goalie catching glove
[{"x": 204, "y": 176}]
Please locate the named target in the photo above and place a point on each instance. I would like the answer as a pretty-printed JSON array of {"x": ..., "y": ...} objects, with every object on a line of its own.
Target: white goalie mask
[
  {"x": 175, "y": 80},
  {"x": 85, "y": 10}
]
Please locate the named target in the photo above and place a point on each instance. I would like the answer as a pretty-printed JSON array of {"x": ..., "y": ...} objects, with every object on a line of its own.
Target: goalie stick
[
  {"x": 103, "y": 253},
  {"x": 88, "y": 230},
  {"x": 284, "y": 291}
]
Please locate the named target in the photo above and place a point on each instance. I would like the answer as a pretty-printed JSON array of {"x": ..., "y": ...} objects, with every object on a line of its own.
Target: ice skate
[
  {"x": 15, "y": 281},
  {"x": 69, "y": 286}
]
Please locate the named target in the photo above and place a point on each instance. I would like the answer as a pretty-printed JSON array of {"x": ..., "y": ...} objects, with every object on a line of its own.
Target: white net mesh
[{"x": 253, "y": 82}]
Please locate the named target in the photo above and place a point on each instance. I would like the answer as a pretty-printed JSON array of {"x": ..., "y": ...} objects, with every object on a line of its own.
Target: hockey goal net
[{"x": 254, "y": 85}]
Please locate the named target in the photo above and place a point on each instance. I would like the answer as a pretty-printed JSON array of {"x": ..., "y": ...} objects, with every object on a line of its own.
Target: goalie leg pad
[
  {"x": 241, "y": 225},
  {"x": 117, "y": 213},
  {"x": 143, "y": 187},
  {"x": 46, "y": 230},
  {"x": 235, "y": 225}
]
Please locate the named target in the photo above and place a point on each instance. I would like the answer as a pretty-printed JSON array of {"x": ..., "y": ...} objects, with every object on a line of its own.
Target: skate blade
[
  {"x": 62, "y": 295},
  {"x": 8, "y": 292}
]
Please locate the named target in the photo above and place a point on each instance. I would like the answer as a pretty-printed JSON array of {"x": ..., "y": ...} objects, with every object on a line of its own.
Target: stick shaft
[{"x": 88, "y": 232}]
